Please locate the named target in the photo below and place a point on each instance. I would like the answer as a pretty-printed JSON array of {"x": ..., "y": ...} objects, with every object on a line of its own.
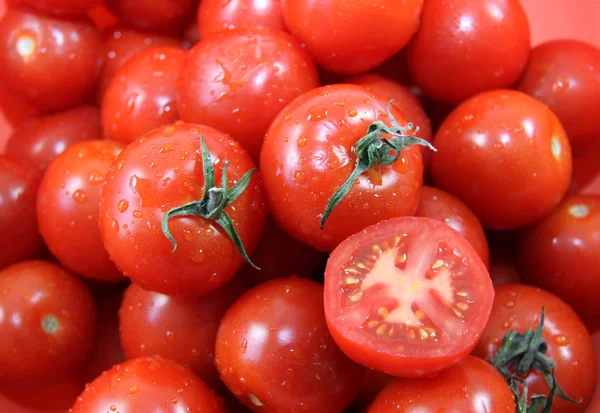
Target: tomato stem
[
  {"x": 213, "y": 203},
  {"x": 373, "y": 150}
]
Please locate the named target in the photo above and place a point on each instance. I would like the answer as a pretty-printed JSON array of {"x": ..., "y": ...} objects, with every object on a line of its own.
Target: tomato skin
[
  {"x": 165, "y": 16},
  {"x": 18, "y": 222},
  {"x": 28, "y": 398},
  {"x": 31, "y": 351},
  {"x": 29, "y": 51},
  {"x": 493, "y": 140},
  {"x": 276, "y": 333},
  {"x": 444, "y": 207},
  {"x": 561, "y": 253},
  {"x": 309, "y": 152},
  {"x": 163, "y": 170},
  {"x": 343, "y": 36},
  {"x": 181, "y": 329},
  {"x": 518, "y": 307},
  {"x": 62, "y": 6},
  {"x": 595, "y": 403},
  {"x": 216, "y": 16},
  {"x": 141, "y": 95},
  {"x": 147, "y": 384},
  {"x": 472, "y": 385},
  {"x": 491, "y": 35},
  {"x": 237, "y": 82},
  {"x": 563, "y": 75}
]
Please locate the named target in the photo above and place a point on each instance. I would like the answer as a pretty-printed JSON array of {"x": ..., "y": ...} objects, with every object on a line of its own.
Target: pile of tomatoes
[{"x": 287, "y": 206}]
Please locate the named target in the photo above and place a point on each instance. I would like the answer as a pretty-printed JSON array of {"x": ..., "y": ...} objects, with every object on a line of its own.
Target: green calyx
[
  {"x": 213, "y": 202},
  {"x": 374, "y": 150},
  {"x": 518, "y": 355}
]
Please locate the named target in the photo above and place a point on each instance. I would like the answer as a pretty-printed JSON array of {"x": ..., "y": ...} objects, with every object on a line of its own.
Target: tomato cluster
[{"x": 286, "y": 206}]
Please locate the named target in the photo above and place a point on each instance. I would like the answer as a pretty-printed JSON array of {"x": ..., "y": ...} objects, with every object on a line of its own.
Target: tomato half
[{"x": 407, "y": 296}]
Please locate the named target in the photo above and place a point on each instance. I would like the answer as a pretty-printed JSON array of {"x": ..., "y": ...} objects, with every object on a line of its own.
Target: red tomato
[
  {"x": 141, "y": 95},
  {"x": 164, "y": 170},
  {"x": 47, "y": 325},
  {"x": 494, "y": 141},
  {"x": 441, "y": 206},
  {"x": 18, "y": 224},
  {"x": 503, "y": 267},
  {"x": 275, "y": 354},
  {"x": 171, "y": 16},
  {"x": 586, "y": 174},
  {"x": 564, "y": 74},
  {"x": 28, "y": 398},
  {"x": 561, "y": 254},
  {"x": 215, "y": 16},
  {"x": 51, "y": 61},
  {"x": 41, "y": 139},
  {"x": 518, "y": 307},
  {"x": 407, "y": 296},
  {"x": 466, "y": 47},
  {"x": 178, "y": 328},
  {"x": 352, "y": 36},
  {"x": 238, "y": 82},
  {"x": 472, "y": 386},
  {"x": 145, "y": 385},
  {"x": 62, "y": 6},
  {"x": 309, "y": 152}
]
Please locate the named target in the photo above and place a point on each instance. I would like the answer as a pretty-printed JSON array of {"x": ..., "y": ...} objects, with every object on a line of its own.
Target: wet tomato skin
[{"x": 274, "y": 351}]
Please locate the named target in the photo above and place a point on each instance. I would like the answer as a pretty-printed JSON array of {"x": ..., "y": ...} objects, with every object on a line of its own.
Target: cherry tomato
[
  {"x": 503, "y": 267},
  {"x": 47, "y": 326},
  {"x": 170, "y": 16},
  {"x": 518, "y": 307},
  {"x": 141, "y": 95},
  {"x": 181, "y": 329},
  {"x": 352, "y": 37},
  {"x": 586, "y": 174},
  {"x": 53, "y": 62},
  {"x": 274, "y": 351},
  {"x": 145, "y": 385},
  {"x": 495, "y": 140},
  {"x": 441, "y": 206},
  {"x": 238, "y": 82},
  {"x": 28, "y": 398},
  {"x": 41, "y": 139},
  {"x": 561, "y": 253},
  {"x": 67, "y": 208},
  {"x": 62, "y": 6},
  {"x": 18, "y": 223},
  {"x": 472, "y": 386},
  {"x": 215, "y": 16},
  {"x": 466, "y": 47},
  {"x": 563, "y": 74},
  {"x": 164, "y": 170}
]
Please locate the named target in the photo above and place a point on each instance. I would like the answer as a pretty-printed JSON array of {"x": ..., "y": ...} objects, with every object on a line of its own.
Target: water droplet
[
  {"x": 121, "y": 164},
  {"x": 401, "y": 166},
  {"x": 170, "y": 335},
  {"x": 123, "y": 205},
  {"x": 301, "y": 141},
  {"x": 244, "y": 346},
  {"x": 188, "y": 234},
  {"x": 300, "y": 176},
  {"x": 561, "y": 340},
  {"x": 133, "y": 389},
  {"x": 352, "y": 113},
  {"x": 509, "y": 304},
  {"x": 79, "y": 196},
  {"x": 316, "y": 113},
  {"x": 95, "y": 177},
  {"x": 168, "y": 131},
  {"x": 113, "y": 408},
  {"x": 166, "y": 148},
  {"x": 114, "y": 225},
  {"x": 137, "y": 214},
  {"x": 197, "y": 256}
]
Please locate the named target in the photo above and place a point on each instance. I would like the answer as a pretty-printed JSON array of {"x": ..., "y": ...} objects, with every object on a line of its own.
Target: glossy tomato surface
[
  {"x": 163, "y": 170},
  {"x": 495, "y": 140},
  {"x": 59, "y": 7},
  {"x": 274, "y": 351},
  {"x": 407, "y": 296},
  {"x": 170, "y": 16},
  {"x": 237, "y": 82},
  {"x": 309, "y": 153}
]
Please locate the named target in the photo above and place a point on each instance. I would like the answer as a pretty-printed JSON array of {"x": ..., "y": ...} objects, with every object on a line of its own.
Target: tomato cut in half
[{"x": 407, "y": 296}]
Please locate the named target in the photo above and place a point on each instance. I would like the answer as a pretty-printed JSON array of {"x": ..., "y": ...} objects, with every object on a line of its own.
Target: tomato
[
  {"x": 586, "y": 174},
  {"x": 215, "y": 16},
  {"x": 238, "y": 82},
  {"x": 503, "y": 267},
  {"x": 441, "y": 206},
  {"x": 39, "y": 140},
  {"x": 145, "y": 385},
  {"x": 18, "y": 223},
  {"x": 67, "y": 208},
  {"x": 62, "y": 6},
  {"x": 595, "y": 403},
  {"x": 352, "y": 37},
  {"x": 561, "y": 253},
  {"x": 518, "y": 307},
  {"x": 34, "y": 45},
  {"x": 494, "y": 140},
  {"x": 181, "y": 329},
  {"x": 28, "y": 398},
  {"x": 466, "y": 47},
  {"x": 162, "y": 171},
  {"x": 141, "y": 95},
  {"x": 169, "y": 16},
  {"x": 472, "y": 386},
  {"x": 274, "y": 351},
  {"x": 563, "y": 74},
  {"x": 407, "y": 296},
  {"x": 47, "y": 326},
  {"x": 309, "y": 152}
]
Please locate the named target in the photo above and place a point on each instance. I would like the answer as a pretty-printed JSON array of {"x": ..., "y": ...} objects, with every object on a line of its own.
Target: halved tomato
[{"x": 408, "y": 296}]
